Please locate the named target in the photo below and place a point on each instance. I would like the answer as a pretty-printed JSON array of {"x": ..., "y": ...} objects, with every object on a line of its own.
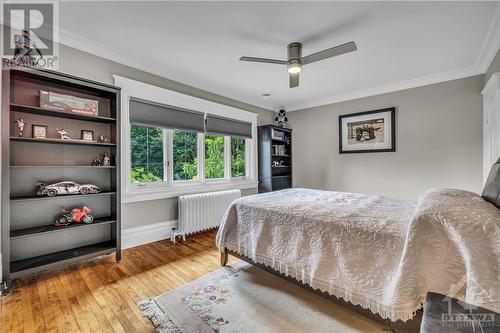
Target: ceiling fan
[{"x": 296, "y": 60}]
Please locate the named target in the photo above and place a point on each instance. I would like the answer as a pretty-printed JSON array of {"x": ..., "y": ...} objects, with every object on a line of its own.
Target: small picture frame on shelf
[
  {"x": 39, "y": 131},
  {"x": 87, "y": 135}
]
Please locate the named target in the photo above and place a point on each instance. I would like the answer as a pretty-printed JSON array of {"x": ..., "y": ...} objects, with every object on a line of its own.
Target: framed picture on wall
[{"x": 368, "y": 132}]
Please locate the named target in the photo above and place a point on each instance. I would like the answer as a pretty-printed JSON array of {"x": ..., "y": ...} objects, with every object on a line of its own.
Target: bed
[{"x": 380, "y": 253}]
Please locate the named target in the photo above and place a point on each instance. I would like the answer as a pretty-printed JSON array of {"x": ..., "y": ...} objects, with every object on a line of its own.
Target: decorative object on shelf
[
  {"x": 20, "y": 122},
  {"x": 75, "y": 215},
  {"x": 39, "y": 131},
  {"x": 103, "y": 139},
  {"x": 64, "y": 135},
  {"x": 88, "y": 135},
  {"x": 366, "y": 132},
  {"x": 279, "y": 150},
  {"x": 278, "y": 163},
  {"x": 65, "y": 188},
  {"x": 277, "y": 135},
  {"x": 60, "y": 102},
  {"x": 97, "y": 161},
  {"x": 281, "y": 119},
  {"x": 106, "y": 159}
]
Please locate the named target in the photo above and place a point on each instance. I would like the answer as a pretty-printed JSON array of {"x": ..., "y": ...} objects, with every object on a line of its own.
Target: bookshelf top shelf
[
  {"x": 60, "y": 114},
  {"x": 61, "y": 142}
]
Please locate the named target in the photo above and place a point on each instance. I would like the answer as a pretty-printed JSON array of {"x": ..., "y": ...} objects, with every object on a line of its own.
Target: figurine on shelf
[
  {"x": 20, "y": 122},
  {"x": 75, "y": 215},
  {"x": 276, "y": 163},
  {"x": 63, "y": 134},
  {"x": 97, "y": 161},
  {"x": 281, "y": 119},
  {"x": 106, "y": 159},
  {"x": 103, "y": 139}
]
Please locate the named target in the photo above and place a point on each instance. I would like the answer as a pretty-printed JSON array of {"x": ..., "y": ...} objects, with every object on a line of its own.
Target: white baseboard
[{"x": 147, "y": 234}]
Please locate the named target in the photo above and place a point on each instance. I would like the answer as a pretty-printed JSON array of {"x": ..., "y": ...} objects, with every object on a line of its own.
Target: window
[
  {"x": 147, "y": 154},
  {"x": 184, "y": 155},
  {"x": 214, "y": 157},
  {"x": 238, "y": 157}
]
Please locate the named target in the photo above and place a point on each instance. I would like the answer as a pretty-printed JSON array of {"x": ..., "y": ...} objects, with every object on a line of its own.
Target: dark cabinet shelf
[
  {"x": 274, "y": 177},
  {"x": 61, "y": 142},
  {"x": 20, "y": 233},
  {"x": 48, "y": 260},
  {"x": 61, "y": 114},
  {"x": 37, "y": 198},
  {"x": 63, "y": 166}
]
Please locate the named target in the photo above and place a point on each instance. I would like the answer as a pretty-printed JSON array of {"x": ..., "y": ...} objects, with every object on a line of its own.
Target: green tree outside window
[
  {"x": 147, "y": 154},
  {"x": 238, "y": 157},
  {"x": 214, "y": 157},
  {"x": 185, "y": 155}
]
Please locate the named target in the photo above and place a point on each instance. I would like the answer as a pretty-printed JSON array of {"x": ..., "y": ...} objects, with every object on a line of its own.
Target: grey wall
[
  {"x": 438, "y": 143},
  {"x": 76, "y": 62},
  {"x": 494, "y": 67}
]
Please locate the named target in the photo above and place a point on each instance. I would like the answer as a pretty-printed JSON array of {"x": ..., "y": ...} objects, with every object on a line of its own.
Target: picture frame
[
  {"x": 39, "y": 131},
  {"x": 368, "y": 132},
  {"x": 67, "y": 103},
  {"x": 87, "y": 135}
]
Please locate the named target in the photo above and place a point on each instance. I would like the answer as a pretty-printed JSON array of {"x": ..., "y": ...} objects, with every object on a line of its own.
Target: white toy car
[{"x": 64, "y": 188}]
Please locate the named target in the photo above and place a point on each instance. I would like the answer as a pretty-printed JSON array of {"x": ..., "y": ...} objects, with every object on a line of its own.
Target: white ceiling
[{"x": 199, "y": 43}]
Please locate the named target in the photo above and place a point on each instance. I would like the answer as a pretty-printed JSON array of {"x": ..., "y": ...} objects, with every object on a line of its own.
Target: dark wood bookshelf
[
  {"x": 52, "y": 228},
  {"x": 61, "y": 142},
  {"x": 25, "y": 159},
  {"x": 274, "y": 177},
  {"x": 61, "y": 114}
]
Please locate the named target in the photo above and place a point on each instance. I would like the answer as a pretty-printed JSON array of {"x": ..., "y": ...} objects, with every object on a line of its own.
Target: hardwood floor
[{"x": 100, "y": 295}]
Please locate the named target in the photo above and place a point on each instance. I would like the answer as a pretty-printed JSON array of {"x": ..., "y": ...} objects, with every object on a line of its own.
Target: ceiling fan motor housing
[{"x": 294, "y": 56}]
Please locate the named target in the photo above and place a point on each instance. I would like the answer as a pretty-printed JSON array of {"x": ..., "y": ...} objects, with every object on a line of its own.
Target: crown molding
[
  {"x": 388, "y": 88},
  {"x": 81, "y": 43},
  {"x": 489, "y": 49}
]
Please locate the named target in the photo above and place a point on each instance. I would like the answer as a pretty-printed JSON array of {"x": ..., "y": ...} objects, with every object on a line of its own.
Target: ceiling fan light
[{"x": 294, "y": 67}]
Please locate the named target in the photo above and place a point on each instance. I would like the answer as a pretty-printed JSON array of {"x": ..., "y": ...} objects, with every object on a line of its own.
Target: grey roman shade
[
  {"x": 230, "y": 127},
  {"x": 153, "y": 114}
]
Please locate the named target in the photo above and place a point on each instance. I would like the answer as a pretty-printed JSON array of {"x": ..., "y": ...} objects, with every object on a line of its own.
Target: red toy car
[{"x": 76, "y": 215}]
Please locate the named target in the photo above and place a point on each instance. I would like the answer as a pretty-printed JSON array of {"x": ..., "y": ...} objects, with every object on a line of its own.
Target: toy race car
[
  {"x": 64, "y": 188},
  {"x": 76, "y": 215}
]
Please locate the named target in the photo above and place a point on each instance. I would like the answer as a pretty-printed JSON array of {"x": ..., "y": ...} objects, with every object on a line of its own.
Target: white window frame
[{"x": 170, "y": 189}]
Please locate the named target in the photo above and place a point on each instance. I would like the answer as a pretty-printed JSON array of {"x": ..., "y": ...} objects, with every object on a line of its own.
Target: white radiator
[{"x": 198, "y": 212}]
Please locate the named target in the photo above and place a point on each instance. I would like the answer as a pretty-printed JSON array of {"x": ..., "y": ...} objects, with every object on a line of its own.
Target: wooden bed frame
[{"x": 410, "y": 326}]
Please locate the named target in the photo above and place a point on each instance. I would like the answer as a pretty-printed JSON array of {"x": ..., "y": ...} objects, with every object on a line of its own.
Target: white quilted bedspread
[{"x": 381, "y": 253}]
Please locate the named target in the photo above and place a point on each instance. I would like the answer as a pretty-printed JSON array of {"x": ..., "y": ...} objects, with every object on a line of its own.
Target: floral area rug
[{"x": 243, "y": 298}]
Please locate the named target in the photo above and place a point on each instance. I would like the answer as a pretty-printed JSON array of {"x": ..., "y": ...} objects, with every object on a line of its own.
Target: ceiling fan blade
[
  {"x": 328, "y": 53},
  {"x": 294, "y": 80},
  {"x": 269, "y": 61}
]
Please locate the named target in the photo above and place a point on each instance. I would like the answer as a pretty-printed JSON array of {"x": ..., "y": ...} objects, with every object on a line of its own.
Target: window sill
[{"x": 145, "y": 194}]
